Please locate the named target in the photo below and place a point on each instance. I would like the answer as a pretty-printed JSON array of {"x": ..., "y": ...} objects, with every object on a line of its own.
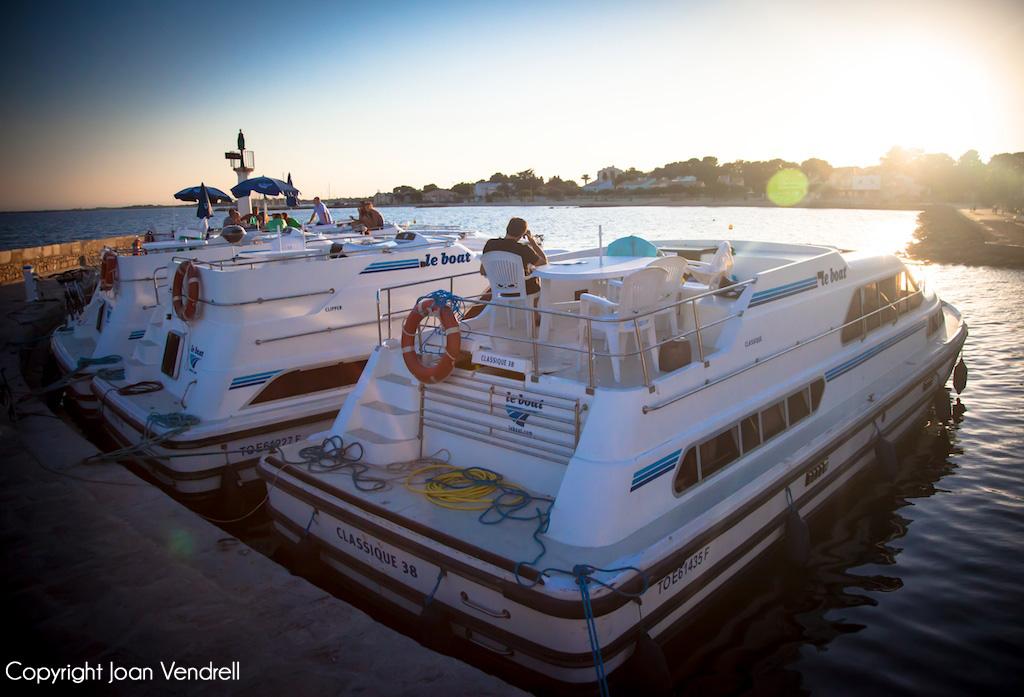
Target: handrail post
[
  {"x": 590, "y": 356},
  {"x": 643, "y": 353},
  {"x": 531, "y": 331},
  {"x": 696, "y": 326},
  {"x": 389, "y": 313},
  {"x": 380, "y": 330}
]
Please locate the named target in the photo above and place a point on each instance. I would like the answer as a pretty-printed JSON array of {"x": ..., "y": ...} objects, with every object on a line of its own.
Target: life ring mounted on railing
[
  {"x": 185, "y": 290},
  {"x": 108, "y": 269},
  {"x": 434, "y": 372}
]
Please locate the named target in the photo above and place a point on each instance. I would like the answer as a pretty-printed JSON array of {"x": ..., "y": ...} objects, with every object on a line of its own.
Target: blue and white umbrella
[
  {"x": 292, "y": 200},
  {"x": 268, "y": 186},
  {"x": 204, "y": 209},
  {"x": 192, "y": 194}
]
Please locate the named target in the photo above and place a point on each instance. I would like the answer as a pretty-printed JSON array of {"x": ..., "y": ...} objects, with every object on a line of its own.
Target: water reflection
[{"x": 750, "y": 640}]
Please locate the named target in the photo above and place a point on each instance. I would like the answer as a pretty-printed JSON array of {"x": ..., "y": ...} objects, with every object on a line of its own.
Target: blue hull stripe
[
  {"x": 655, "y": 470},
  {"x": 849, "y": 365},
  {"x": 136, "y": 335},
  {"x": 785, "y": 291},
  {"x": 254, "y": 379},
  {"x": 379, "y": 266}
]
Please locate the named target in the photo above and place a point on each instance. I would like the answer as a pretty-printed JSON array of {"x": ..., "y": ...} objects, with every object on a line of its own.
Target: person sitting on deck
[
  {"x": 277, "y": 222},
  {"x": 369, "y": 217},
  {"x": 233, "y": 218},
  {"x": 516, "y": 233},
  {"x": 290, "y": 221},
  {"x": 321, "y": 214}
]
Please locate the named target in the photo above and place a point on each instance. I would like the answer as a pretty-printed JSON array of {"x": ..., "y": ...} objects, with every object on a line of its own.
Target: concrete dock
[{"x": 100, "y": 567}]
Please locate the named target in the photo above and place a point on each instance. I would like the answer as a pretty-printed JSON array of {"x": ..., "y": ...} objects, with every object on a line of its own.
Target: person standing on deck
[
  {"x": 320, "y": 213},
  {"x": 241, "y": 140}
]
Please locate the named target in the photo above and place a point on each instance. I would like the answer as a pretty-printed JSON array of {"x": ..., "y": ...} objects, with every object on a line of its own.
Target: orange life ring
[
  {"x": 185, "y": 290},
  {"x": 108, "y": 269},
  {"x": 443, "y": 368}
]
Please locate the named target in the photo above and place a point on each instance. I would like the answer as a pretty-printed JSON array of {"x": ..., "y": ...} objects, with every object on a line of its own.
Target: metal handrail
[
  {"x": 799, "y": 344},
  {"x": 259, "y": 301}
]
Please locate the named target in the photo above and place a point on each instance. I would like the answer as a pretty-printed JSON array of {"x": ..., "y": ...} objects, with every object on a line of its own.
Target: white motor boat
[
  {"x": 260, "y": 350},
  {"x": 573, "y": 495},
  {"x": 130, "y": 288}
]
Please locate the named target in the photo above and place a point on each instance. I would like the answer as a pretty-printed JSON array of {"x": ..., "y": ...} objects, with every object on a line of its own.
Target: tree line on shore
[{"x": 933, "y": 177}]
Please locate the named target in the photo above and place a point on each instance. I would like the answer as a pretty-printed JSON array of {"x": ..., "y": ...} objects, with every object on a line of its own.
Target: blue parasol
[
  {"x": 204, "y": 210},
  {"x": 267, "y": 186},
  {"x": 292, "y": 200},
  {"x": 192, "y": 194}
]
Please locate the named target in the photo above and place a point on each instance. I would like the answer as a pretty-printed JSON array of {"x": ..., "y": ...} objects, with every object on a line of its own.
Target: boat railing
[
  {"x": 387, "y": 315},
  {"x": 241, "y": 260}
]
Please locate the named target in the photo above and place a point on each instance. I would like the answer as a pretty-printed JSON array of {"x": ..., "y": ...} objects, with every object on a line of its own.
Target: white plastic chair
[
  {"x": 676, "y": 269},
  {"x": 713, "y": 272},
  {"x": 639, "y": 292},
  {"x": 508, "y": 285}
]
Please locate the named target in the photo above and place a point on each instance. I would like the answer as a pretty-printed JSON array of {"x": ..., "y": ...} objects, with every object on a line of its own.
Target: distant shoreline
[{"x": 610, "y": 202}]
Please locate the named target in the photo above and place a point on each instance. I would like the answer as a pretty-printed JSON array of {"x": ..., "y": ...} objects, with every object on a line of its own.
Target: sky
[{"x": 117, "y": 103}]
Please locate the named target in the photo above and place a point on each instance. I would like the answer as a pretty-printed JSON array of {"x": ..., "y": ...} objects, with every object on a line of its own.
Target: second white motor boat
[{"x": 260, "y": 350}]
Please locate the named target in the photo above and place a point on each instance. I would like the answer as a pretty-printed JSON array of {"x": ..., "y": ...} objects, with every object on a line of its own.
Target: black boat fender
[
  {"x": 797, "y": 536},
  {"x": 960, "y": 376},
  {"x": 885, "y": 453},
  {"x": 646, "y": 672}
]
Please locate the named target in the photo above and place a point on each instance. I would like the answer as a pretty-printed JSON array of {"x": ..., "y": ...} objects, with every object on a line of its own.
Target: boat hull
[{"x": 544, "y": 630}]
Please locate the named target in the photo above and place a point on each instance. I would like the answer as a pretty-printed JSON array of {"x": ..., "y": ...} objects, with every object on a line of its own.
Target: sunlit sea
[{"x": 914, "y": 587}]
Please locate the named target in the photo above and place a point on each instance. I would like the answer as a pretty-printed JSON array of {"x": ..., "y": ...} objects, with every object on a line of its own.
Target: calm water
[{"x": 914, "y": 587}]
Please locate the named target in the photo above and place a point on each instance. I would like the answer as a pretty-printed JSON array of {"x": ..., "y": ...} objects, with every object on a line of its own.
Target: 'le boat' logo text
[
  {"x": 519, "y": 408},
  {"x": 194, "y": 355}
]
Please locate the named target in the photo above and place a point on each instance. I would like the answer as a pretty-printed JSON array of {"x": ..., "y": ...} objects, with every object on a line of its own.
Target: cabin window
[
  {"x": 300, "y": 382},
  {"x": 773, "y": 421},
  {"x": 870, "y": 302},
  {"x": 817, "y": 390},
  {"x": 718, "y": 452},
  {"x": 172, "y": 349},
  {"x": 798, "y": 406},
  {"x": 686, "y": 475},
  {"x": 887, "y": 296},
  {"x": 853, "y": 329},
  {"x": 915, "y": 298},
  {"x": 750, "y": 432},
  {"x": 100, "y": 315}
]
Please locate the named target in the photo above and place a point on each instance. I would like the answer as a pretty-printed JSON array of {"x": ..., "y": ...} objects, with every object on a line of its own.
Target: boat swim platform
[{"x": 101, "y": 566}]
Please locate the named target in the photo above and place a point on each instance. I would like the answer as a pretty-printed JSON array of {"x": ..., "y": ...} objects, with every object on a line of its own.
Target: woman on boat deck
[{"x": 516, "y": 233}]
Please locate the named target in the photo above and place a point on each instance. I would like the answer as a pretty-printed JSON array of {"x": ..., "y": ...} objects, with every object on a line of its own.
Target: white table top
[{"x": 592, "y": 268}]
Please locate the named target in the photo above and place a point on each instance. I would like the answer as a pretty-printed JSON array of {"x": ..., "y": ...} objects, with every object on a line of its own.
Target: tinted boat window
[
  {"x": 750, "y": 430},
  {"x": 916, "y": 299},
  {"x": 887, "y": 295},
  {"x": 773, "y": 421},
  {"x": 172, "y": 346},
  {"x": 686, "y": 475},
  {"x": 855, "y": 330},
  {"x": 817, "y": 390},
  {"x": 300, "y": 382},
  {"x": 718, "y": 452},
  {"x": 870, "y": 300},
  {"x": 798, "y": 406}
]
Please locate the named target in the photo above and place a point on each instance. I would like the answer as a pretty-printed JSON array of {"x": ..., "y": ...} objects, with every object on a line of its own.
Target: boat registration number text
[
  {"x": 268, "y": 445},
  {"x": 376, "y": 551},
  {"x": 685, "y": 570}
]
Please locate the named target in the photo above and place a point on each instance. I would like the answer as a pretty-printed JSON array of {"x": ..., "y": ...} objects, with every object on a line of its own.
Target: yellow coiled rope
[{"x": 464, "y": 489}]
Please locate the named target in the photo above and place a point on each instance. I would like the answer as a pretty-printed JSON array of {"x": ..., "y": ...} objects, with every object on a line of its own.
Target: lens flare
[{"x": 787, "y": 187}]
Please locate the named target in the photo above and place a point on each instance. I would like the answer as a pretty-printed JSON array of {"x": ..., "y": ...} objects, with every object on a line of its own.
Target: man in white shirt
[{"x": 320, "y": 213}]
